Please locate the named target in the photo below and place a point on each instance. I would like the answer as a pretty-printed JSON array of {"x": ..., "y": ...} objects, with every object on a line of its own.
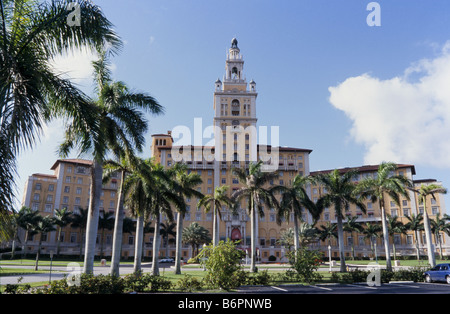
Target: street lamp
[
  {"x": 329, "y": 255},
  {"x": 51, "y": 262}
]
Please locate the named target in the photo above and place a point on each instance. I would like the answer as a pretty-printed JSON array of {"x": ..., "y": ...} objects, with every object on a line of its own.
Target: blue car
[{"x": 440, "y": 272}]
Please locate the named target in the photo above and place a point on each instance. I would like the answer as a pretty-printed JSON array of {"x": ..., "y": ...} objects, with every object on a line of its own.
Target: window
[
  {"x": 65, "y": 200},
  {"x": 405, "y": 211},
  {"x": 36, "y": 197},
  {"x": 68, "y": 179},
  {"x": 51, "y": 188},
  {"x": 48, "y": 208},
  {"x": 79, "y": 190},
  {"x": 38, "y": 187},
  {"x": 80, "y": 180},
  {"x": 66, "y": 189}
]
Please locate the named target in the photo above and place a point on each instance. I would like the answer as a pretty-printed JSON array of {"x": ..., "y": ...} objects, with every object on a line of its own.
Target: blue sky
[{"x": 321, "y": 73}]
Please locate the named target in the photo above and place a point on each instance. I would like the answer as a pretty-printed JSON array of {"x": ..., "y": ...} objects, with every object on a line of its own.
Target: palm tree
[
  {"x": 43, "y": 226},
  {"x": 167, "y": 229},
  {"x": 423, "y": 192},
  {"x": 294, "y": 199},
  {"x": 123, "y": 165},
  {"x": 327, "y": 232},
  {"x": 27, "y": 220},
  {"x": 340, "y": 193},
  {"x": 62, "y": 218},
  {"x": 161, "y": 200},
  {"x": 196, "y": 235},
  {"x": 386, "y": 183},
  {"x": 105, "y": 222},
  {"x": 254, "y": 191},
  {"x": 439, "y": 225},
  {"x": 415, "y": 224},
  {"x": 79, "y": 220},
  {"x": 371, "y": 232},
  {"x": 351, "y": 225},
  {"x": 121, "y": 129},
  {"x": 137, "y": 202},
  {"x": 185, "y": 183},
  {"x": 216, "y": 201},
  {"x": 395, "y": 226},
  {"x": 32, "y": 33}
]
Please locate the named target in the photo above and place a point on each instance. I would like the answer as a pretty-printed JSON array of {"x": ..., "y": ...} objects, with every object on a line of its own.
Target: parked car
[
  {"x": 166, "y": 260},
  {"x": 440, "y": 272}
]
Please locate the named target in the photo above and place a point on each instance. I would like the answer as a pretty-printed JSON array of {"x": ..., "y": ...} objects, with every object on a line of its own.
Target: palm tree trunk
[
  {"x": 118, "y": 231},
  {"x": 179, "y": 238},
  {"x": 426, "y": 224},
  {"x": 156, "y": 246},
  {"x": 36, "y": 265},
  {"x": 93, "y": 217},
  {"x": 296, "y": 232},
  {"x": 215, "y": 227},
  {"x": 253, "y": 236},
  {"x": 386, "y": 239},
  {"x": 139, "y": 244},
  {"x": 417, "y": 245},
  {"x": 341, "y": 244},
  {"x": 58, "y": 242}
]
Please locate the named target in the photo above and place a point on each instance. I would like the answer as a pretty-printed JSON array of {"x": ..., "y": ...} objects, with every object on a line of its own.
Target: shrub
[
  {"x": 222, "y": 264},
  {"x": 306, "y": 263},
  {"x": 189, "y": 284}
]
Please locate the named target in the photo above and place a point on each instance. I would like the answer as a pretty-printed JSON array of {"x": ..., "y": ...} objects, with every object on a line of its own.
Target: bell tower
[{"x": 235, "y": 112}]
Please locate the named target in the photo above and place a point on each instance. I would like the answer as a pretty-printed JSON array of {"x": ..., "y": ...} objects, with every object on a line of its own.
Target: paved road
[{"x": 388, "y": 288}]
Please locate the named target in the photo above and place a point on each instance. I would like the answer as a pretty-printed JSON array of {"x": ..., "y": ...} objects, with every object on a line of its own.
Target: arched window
[{"x": 235, "y": 108}]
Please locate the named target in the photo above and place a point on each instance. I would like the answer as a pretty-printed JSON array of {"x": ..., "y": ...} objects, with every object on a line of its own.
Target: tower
[{"x": 235, "y": 112}]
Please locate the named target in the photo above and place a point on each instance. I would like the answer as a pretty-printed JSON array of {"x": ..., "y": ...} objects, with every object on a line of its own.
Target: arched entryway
[{"x": 236, "y": 235}]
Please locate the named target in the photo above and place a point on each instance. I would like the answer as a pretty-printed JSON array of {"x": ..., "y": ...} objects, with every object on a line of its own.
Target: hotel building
[{"x": 235, "y": 122}]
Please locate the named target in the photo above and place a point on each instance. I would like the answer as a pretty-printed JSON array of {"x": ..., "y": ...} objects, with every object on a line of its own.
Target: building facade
[{"x": 235, "y": 145}]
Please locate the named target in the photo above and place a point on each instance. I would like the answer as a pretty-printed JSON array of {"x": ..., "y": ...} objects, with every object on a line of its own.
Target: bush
[
  {"x": 306, "y": 263},
  {"x": 189, "y": 284},
  {"x": 222, "y": 264}
]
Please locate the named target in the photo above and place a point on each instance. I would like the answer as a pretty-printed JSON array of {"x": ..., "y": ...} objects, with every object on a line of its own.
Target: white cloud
[
  {"x": 404, "y": 119},
  {"x": 76, "y": 66}
]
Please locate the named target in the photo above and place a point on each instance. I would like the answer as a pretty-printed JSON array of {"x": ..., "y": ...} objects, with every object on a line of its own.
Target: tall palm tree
[
  {"x": 79, "y": 220},
  {"x": 340, "y": 194},
  {"x": 294, "y": 199},
  {"x": 255, "y": 192},
  {"x": 161, "y": 199},
  {"x": 423, "y": 192},
  {"x": 137, "y": 202},
  {"x": 121, "y": 129},
  {"x": 43, "y": 226},
  {"x": 62, "y": 218},
  {"x": 32, "y": 34},
  {"x": 351, "y": 226},
  {"x": 124, "y": 165},
  {"x": 395, "y": 227},
  {"x": 215, "y": 202},
  {"x": 415, "y": 224},
  {"x": 185, "y": 184},
  {"x": 386, "y": 183},
  {"x": 372, "y": 231}
]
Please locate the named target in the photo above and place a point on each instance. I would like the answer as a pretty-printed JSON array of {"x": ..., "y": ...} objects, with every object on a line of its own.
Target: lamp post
[
  {"x": 329, "y": 255},
  {"x": 51, "y": 263}
]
